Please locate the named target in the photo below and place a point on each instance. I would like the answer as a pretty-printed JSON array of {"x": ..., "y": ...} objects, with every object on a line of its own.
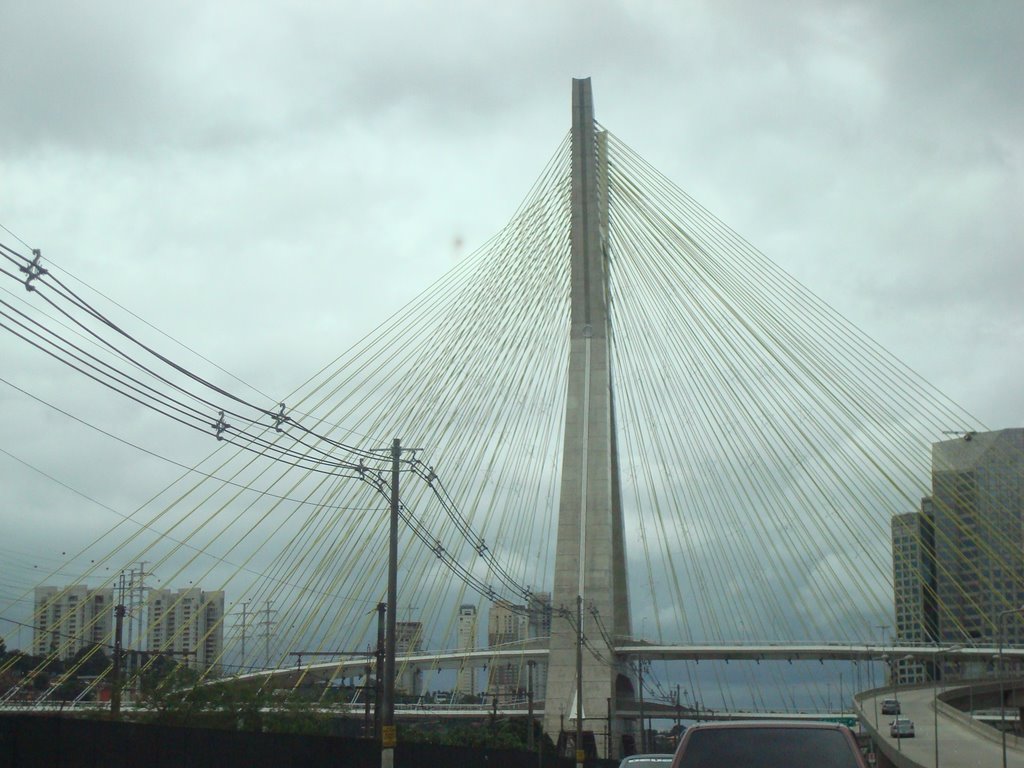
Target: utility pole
[
  {"x": 245, "y": 607},
  {"x": 608, "y": 728},
  {"x": 678, "y": 711},
  {"x": 378, "y": 710},
  {"x": 267, "y": 625},
  {"x": 142, "y": 601},
  {"x": 115, "y": 694},
  {"x": 366, "y": 695},
  {"x": 388, "y": 735},
  {"x": 640, "y": 687},
  {"x": 529, "y": 705},
  {"x": 243, "y": 627},
  {"x": 134, "y": 606}
]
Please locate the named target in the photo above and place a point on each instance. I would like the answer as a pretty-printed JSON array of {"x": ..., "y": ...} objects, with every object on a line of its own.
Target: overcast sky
[{"x": 267, "y": 183}]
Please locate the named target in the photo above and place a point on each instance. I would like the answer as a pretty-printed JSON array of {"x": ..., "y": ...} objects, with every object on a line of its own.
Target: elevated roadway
[
  {"x": 536, "y": 650},
  {"x": 963, "y": 741},
  {"x": 354, "y": 664},
  {"x": 807, "y": 652}
]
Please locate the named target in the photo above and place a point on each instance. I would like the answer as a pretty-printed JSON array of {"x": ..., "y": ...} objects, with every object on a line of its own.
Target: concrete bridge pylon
[{"x": 589, "y": 596}]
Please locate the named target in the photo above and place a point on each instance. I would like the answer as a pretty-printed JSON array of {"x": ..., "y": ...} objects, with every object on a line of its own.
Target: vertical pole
[
  {"x": 896, "y": 695},
  {"x": 679, "y": 714},
  {"x": 388, "y": 737},
  {"x": 935, "y": 714},
  {"x": 640, "y": 687},
  {"x": 608, "y": 732},
  {"x": 366, "y": 696},
  {"x": 115, "y": 694},
  {"x": 130, "y": 603},
  {"x": 142, "y": 600},
  {"x": 579, "y": 681},
  {"x": 266, "y": 638},
  {"x": 1002, "y": 693},
  {"x": 244, "y": 606},
  {"x": 529, "y": 706},
  {"x": 378, "y": 707}
]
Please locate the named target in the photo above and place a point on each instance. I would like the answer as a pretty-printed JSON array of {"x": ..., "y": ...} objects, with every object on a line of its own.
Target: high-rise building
[
  {"x": 68, "y": 619},
  {"x": 187, "y": 624},
  {"x": 409, "y": 639},
  {"x": 465, "y": 682},
  {"x": 507, "y": 624},
  {"x": 977, "y": 484},
  {"x": 959, "y": 562},
  {"x": 540, "y": 629},
  {"x": 913, "y": 578},
  {"x": 540, "y": 615}
]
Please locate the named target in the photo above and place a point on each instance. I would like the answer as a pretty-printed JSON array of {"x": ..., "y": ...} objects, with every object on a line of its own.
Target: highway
[{"x": 963, "y": 743}]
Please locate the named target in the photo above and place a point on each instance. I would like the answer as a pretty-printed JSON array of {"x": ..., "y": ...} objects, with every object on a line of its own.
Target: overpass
[
  {"x": 536, "y": 650},
  {"x": 959, "y": 739}
]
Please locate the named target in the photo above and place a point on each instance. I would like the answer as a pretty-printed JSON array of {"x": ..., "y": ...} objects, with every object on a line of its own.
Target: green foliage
[
  {"x": 177, "y": 697},
  {"x": 501, "y": 734},
  {"x": 19, "y": 661},
  {"x": 164, "y": 681},
  {"x": 90, "y": 661}
]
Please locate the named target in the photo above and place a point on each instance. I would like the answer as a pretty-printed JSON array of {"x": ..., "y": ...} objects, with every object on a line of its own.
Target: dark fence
[{"x": 50, "y": 741}]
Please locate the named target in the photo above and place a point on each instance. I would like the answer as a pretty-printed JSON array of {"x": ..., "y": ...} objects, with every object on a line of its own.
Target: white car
[
  {"x": 902, "y": 728},
  {"x": 647, "y": 761}
]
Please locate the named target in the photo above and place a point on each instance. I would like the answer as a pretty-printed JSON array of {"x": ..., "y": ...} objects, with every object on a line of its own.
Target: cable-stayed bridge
[{"x": 615, "y": 401}]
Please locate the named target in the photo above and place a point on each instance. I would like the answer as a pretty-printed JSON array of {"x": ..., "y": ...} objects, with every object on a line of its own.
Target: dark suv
[
  {"x": 769, "y": 744},
  {"x": 890, "y": 707}
]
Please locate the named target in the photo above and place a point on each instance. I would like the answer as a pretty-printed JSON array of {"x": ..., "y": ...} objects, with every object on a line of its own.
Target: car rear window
[{"x": 768, "y": 748}]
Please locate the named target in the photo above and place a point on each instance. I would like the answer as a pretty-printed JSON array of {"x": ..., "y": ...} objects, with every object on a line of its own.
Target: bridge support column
[{"x": 589, "y": 556}]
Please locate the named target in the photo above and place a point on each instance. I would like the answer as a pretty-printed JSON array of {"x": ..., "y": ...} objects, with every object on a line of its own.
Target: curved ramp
[{"x": 963, "y": 742}]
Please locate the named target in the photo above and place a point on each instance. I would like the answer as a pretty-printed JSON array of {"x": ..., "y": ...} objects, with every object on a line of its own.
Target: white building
[
  {"x": 68, "y": 619},
  {"x": 408, "y": 640},
  {"x": 540, "y": 629},
  {"x": 507, "y": 625},
  {"x": 187, "y": 624},
  {"x": 465, "y": 682},
  {"x": 913, "y": 579}
]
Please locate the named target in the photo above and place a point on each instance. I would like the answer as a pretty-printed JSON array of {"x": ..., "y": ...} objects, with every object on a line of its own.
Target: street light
[
  {"x": 1002, "y": 692},
  {"x": 884, "y": 658},
  {"x": 935, "y": 695}
]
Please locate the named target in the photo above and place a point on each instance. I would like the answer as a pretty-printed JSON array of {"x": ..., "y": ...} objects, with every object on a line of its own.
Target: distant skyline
[{"x": 267, "y": 185}]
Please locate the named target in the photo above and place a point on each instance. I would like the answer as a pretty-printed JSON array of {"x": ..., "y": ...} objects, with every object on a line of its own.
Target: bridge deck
[{"x": 962, "y": 744}]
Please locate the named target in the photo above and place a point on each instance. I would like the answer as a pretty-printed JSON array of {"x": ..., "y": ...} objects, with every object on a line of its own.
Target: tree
[{"x": 90, "y": 661}]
